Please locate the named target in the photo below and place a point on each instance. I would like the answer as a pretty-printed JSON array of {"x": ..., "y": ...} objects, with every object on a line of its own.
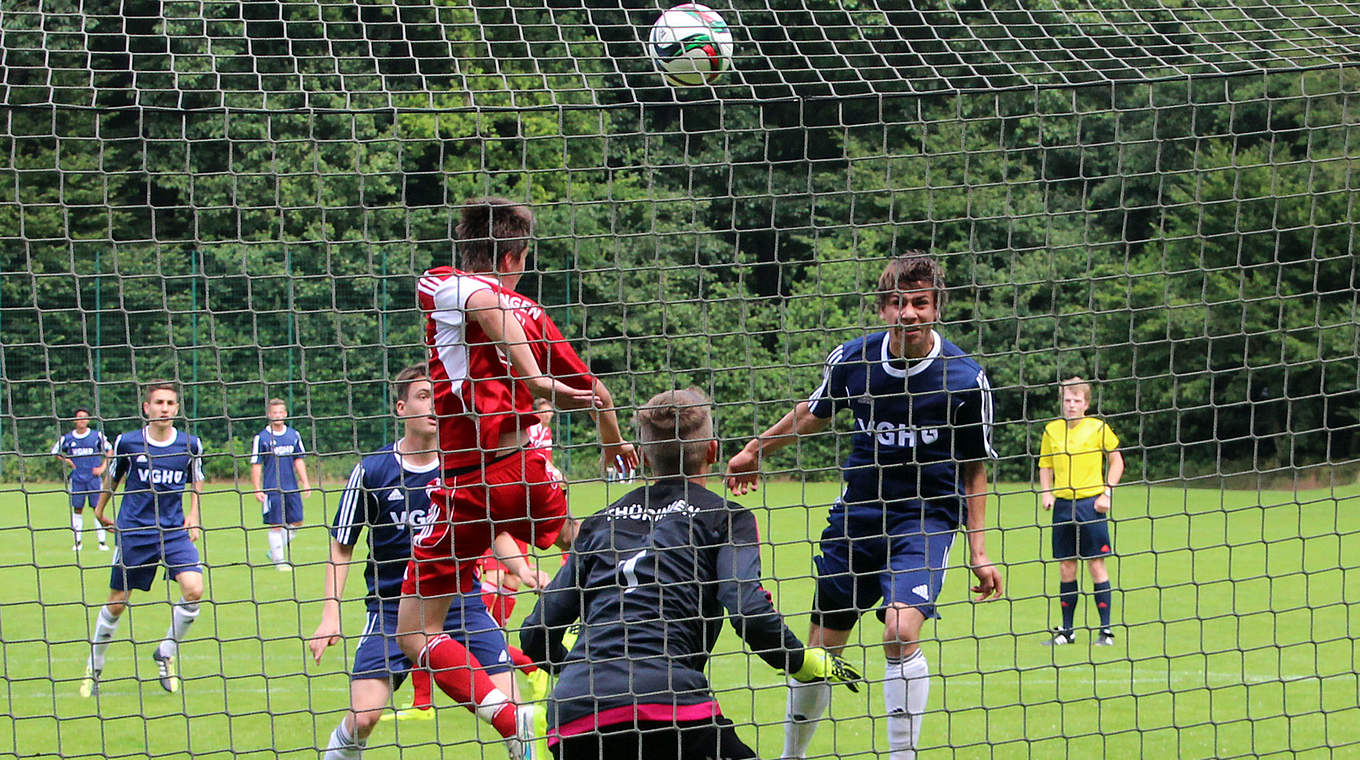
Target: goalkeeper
[{"x": 651, "y": 577}]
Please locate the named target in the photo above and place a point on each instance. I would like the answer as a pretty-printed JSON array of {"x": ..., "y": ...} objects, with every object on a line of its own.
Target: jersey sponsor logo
[
  {"x": 416, "y": 519},
  {"x": 901, "y": 436},
  {"x": 158, "y": 476},
  {"x": 640, "y": 512},
  {"x": 82, "y": 452}
]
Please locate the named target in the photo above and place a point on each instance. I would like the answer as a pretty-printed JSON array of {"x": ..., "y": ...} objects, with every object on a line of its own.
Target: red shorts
[{"x": 517, "y": 495}]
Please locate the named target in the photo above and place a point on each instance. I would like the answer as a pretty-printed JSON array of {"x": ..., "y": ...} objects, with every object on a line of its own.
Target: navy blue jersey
[
  {"x": 86, "y": 452},
  {"x": 388, "y": 497},
  {"x": 913, "y": 421},
  {"x": 276, "y": 452},
  {"x": 651, "y": 577},
  {"x": 156, "y": 475}
]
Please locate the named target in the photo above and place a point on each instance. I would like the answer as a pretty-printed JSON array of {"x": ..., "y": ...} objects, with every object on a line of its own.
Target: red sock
[
  {"x": 521, "y": 660},
  {"x": 460, "y": 676},
  {"x": 420, "y": 682}
]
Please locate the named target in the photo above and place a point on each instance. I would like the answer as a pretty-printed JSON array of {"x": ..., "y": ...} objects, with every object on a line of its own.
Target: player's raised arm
[
  {"x": 613, "y": 448},
  {"x": 743, "y": 470},
  {"x": 497, "y": 319}
]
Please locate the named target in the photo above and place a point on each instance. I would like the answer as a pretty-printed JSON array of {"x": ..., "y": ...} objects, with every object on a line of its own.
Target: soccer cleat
[
  {"x": 89, "y": 685},
  {"x": 75, "y": 548},
  {"x": 409, "y": 712},
  {"x": 1105, "y": 639},
  {"x": 165, "y": 671},
  {"x": 1060, "y": 638},
  {"x": 103, "y": 547}
]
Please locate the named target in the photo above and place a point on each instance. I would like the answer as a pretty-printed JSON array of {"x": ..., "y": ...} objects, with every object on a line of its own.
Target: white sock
[
  {"x": 276, "y": 543},
  {"x": 807, "y": 703},
  {"x": 182, "y": 615},
  {"x": 77, "y": 525},
  {"x": 104, "y": 627},
  {"x": 343, "y": 745},
  {"x": 99, "y": 531},
  {"x": 906, "y": 690},
  {"x": 292, "y": 534},
  {"x": 490, "y": 705}
]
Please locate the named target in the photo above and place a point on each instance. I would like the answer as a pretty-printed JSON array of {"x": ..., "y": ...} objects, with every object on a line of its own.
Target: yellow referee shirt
[{"x": 1077, "y": 456}]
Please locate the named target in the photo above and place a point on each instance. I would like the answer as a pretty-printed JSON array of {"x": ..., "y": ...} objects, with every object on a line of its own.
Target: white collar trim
[
  {"x": 914, "y": 366},
  {"x": 408, "y": 467}
]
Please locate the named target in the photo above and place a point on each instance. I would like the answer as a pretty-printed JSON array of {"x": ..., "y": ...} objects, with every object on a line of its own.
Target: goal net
[{"x": 1158, "y": 198}]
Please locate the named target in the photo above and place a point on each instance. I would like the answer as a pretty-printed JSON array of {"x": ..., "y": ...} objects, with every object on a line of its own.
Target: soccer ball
[{"x": 691, "y": 45}]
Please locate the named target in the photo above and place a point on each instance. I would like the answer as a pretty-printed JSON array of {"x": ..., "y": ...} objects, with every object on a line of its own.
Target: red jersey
[{"x": 476, "y": 396}]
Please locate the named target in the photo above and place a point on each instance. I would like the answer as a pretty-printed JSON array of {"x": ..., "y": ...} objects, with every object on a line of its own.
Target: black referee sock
[
  {"x": 1101, "y": 593},
  {"x": 1068, "y": 595}
]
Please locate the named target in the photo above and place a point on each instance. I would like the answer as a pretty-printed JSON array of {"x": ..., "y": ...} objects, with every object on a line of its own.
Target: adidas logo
[
  {"x": 922, "y": 591},
  {"x": 394, "y": 495}
]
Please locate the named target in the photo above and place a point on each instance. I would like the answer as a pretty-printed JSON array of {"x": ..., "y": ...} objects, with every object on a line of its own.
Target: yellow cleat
[
  {"x": 165, "y": 672},
  {"x": 409, "y": 712},
  {"x": 89, "y": 685}
]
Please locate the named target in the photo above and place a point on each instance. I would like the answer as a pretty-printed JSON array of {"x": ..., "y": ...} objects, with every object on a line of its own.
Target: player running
[
  {"x": 651, "y": 578},
  {"x": 279, "y": 473},
  {"x": 1071, "y": 484},
  {"x": 491, "y": 351},
  {"x": 386, "y": 493},
  {"x": 85, "y": 451},
  {"x": 916, "y": 473},
  {"x": 158, "y": 466}
]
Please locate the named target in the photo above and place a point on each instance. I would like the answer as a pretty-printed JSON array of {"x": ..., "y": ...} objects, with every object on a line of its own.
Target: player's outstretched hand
[
  {"x": 821, "y": 665},
  {"x": 743, "y": 473},
  {"x": 561, "y": 395},
  {"x": 989, "y": 584},
  {"x": 327, "y": 634},
  {"x": 622, "y": 456}
]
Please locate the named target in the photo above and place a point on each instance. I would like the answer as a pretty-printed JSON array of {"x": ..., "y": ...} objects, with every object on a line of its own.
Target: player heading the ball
[
  {"x": 916, "y": 473},
  {"x": 158, "y": 465},
  {"x": 491, "y": 352},
  {"x": 650, "y": 578}
]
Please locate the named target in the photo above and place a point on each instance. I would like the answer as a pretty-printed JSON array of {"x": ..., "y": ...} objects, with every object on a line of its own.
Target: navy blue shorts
[
  {"x": 1079, "y": 531},
  {"x": 136, "y": 559},
  {"x": 873, "y": 550},
  {"x": 85, "y": 491},
  {"x": 281, "y": 507},
  {"x": 468, "y": 622}
]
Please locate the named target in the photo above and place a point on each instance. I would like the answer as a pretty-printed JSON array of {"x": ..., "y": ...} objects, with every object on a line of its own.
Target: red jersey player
[{"x": 491, "y": 352}]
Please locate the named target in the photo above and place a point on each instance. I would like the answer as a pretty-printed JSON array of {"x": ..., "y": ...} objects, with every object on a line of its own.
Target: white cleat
[
  {"x": 165, "y": 671},
  {"x": 103, "y": 547}
]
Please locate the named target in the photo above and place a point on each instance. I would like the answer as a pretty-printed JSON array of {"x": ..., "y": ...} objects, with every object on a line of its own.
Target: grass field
[{"x": 1239, "y": 617}]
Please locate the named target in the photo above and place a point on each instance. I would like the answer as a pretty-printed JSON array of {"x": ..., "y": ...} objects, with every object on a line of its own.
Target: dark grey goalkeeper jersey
[{"x": 651, "y": 578}]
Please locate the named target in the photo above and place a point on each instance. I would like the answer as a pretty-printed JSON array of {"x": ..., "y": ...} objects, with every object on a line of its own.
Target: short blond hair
[
  {"x": 674, "y": 428},
  {"x": 273, "y": 402},
  {"x": 1077, "y": 384}
]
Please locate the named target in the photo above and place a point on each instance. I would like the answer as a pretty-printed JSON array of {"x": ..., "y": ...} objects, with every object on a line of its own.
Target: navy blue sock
[
  {"x": 1068, "y": 595},
  {"x": 1101, "y": 592}
]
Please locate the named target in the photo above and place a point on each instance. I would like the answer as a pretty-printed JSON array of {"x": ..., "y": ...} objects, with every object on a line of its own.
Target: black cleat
[{"x": 1105, "y": 639}]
